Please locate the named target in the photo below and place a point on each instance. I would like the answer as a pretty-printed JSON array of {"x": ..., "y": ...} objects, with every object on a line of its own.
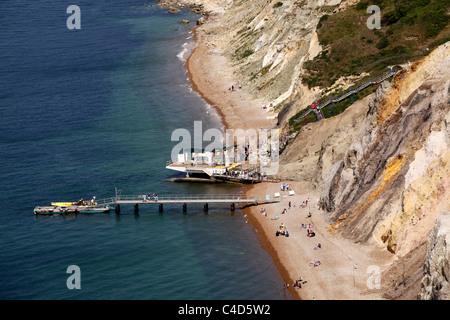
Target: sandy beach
[
  {"x": 211, "y": 76},
  {"x": 344, "y": 270},
  {"x": 339, "y": 269}
]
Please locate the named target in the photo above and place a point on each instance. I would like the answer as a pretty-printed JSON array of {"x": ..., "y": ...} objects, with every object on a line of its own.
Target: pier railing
[
  {"x": 188, "y": 198},
  {"x": 106, "y": 201}
]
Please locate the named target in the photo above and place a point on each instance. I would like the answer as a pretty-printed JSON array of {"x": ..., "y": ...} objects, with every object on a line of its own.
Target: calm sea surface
[{"x": 83, "y": 112}]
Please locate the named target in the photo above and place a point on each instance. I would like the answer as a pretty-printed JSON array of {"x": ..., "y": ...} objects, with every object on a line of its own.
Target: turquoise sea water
[{"x": 85, "y": 111}]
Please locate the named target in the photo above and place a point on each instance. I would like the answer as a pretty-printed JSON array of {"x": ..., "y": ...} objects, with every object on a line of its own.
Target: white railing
[
  {"x": 226, "y": 198},
  {"x": 106, "y": 201},
  {"x": 187, "y": 197}
]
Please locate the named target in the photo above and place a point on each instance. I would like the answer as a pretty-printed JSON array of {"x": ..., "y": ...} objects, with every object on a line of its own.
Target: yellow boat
[
  {"x": 80, "y": 203},
  {"x": 61, "y": 204}
]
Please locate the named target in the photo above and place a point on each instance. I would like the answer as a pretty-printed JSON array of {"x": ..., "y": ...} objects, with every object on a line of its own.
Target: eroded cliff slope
[{"x": 393, "y": 181}]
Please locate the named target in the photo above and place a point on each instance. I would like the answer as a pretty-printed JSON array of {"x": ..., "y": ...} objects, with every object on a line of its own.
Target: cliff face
[
  {"x": 394, "y": 181},
  {"x": 275, "y": 41},
  {"x": 320, "y": 145},
  {"x": 267, "y": 42}
]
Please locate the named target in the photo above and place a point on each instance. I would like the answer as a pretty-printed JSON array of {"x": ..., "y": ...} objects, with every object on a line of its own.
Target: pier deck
[
  {"x": 196, "y": 198},
  {"x": 184, "y": 200}
]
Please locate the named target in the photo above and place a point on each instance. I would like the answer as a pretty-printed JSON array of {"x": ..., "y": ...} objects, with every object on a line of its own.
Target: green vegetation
[
  {"x": 382, "y": 43},
  {"x": 278, "y": 4},
  {"x": 408, "y": 29},
  {"x": 335, "y": 109},
  {"x": 247, "y": 53},
  {"x": 328, "y": 8},
  {"x": 362, "y": 5},
  {"x": 322, "y": 19},
  {"x": 296, "y": 126},
  {"x": 329, "y": 111},
  {"x": 261, "y": 72}
]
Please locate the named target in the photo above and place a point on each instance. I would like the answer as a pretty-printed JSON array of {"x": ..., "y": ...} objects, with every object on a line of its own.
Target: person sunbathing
[{"x": 315, "y": 263}]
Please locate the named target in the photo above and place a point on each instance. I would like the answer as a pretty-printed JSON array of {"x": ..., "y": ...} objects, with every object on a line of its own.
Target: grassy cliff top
[{"x": 409, "y": 30}]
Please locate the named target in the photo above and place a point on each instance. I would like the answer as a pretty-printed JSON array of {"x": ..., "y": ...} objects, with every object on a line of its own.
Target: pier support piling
[
  {"x": 184, "y": 207},
  {"x": 160, "y": 207},
  {"x": 136, "y": 208},
  {"x": 233, "y": 207},
  {"x": 205, "y": 207},
  {"x": 117, "y": 208}
]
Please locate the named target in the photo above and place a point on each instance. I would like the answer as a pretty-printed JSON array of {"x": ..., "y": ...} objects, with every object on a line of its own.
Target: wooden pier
[{"x": 184, "y": 200}]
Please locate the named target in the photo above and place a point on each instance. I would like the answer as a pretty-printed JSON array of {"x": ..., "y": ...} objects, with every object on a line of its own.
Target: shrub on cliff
[{"x": 278, "y": 4}]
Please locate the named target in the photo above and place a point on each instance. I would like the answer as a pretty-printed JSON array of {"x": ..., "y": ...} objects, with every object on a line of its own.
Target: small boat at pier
[{"x": 71, "y": 207}]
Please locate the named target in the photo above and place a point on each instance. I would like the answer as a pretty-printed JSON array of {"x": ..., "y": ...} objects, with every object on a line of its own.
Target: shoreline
[
  {"x": 262, "y": 235},
  {"x": 259, "y": 229},
  {"x": 190, "y": 76},
  {"x": 269, "y": 246},
  {"x": 211, "y": 77}
]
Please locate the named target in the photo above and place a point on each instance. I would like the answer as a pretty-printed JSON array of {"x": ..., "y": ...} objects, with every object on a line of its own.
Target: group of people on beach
[
  {"x": 264, "y": 212},
  {"x": 282, "y": 231},
  {"x": 304, "y": 203},
  {"x": 308, "y": 228},
  {"x": 232, "y": 88},
  {"x": 268, "y": 107},
  {"x": 286, "y": 187},
  {"x": 298, "y": 283}
]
